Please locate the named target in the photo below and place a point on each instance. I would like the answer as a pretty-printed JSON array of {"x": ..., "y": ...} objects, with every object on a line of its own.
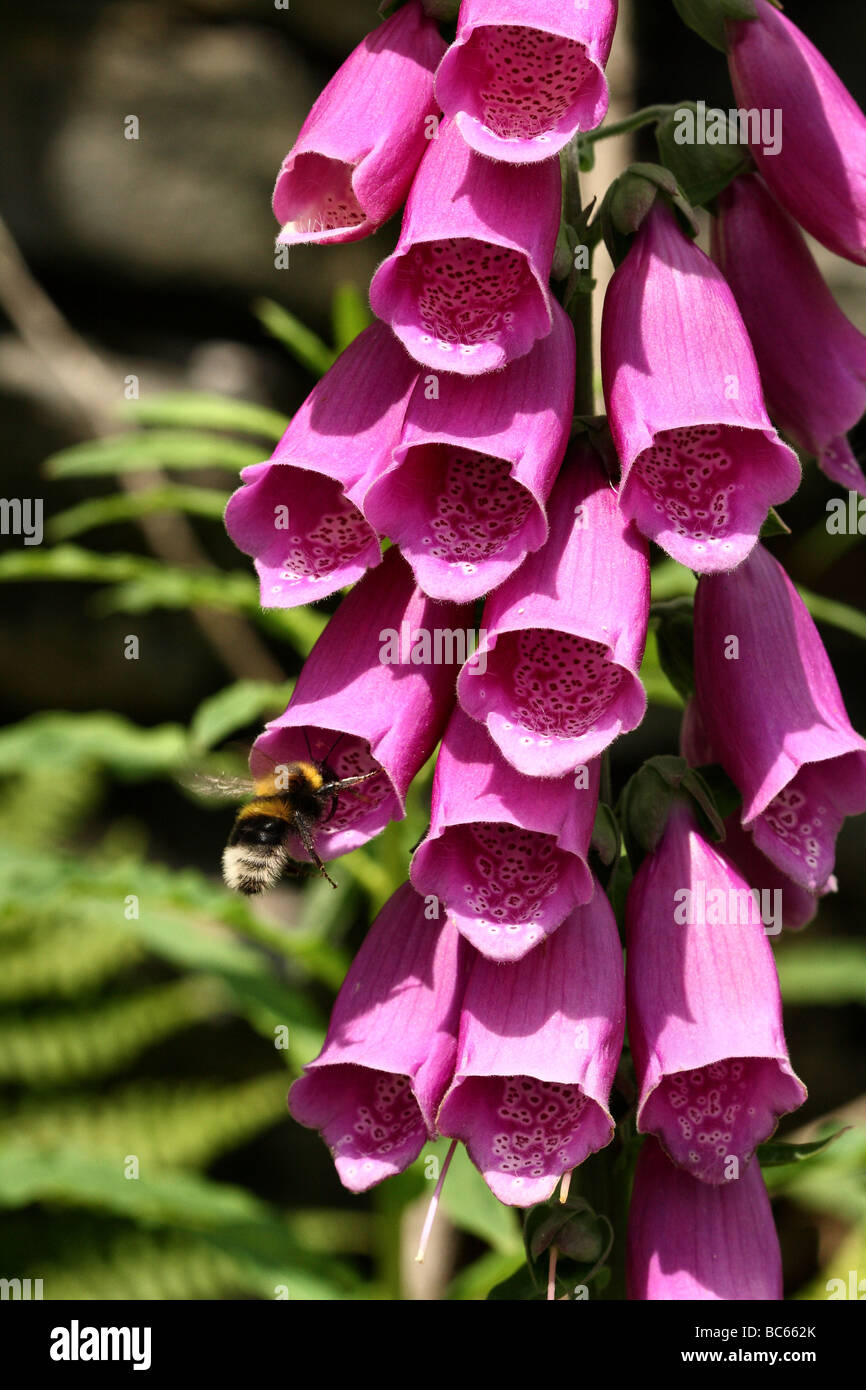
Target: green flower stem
[{"x": 647, "y": 115}]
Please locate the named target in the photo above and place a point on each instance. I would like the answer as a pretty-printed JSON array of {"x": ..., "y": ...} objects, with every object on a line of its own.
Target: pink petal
[
  {"x": 523, "y": 76},
  {"x": 538, "y": 1050},
  {"x": 701, "y": 462},
  {"x": 356, "y": 155},
  {"x": 562, "y": 639},
  {"x": 506, "y": 854},
  {"x": 690, "y": 1241}
]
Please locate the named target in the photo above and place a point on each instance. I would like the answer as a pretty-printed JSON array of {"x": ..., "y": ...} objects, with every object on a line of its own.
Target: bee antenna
[{"x": 307, "y": 742}]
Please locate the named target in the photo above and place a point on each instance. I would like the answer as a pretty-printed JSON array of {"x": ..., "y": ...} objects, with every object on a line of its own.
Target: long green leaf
[
  {"x": 204, "y": 410},
  {"x": 60, "y": 1047},
  {"x": 234, "y": 708},
  {"x": 143, "y": 583},
  {"x": 109, "y": 511},
  {"x": 165, "y": 1124},
  {"x": 140, "y": 450},
  {"x": 302, "y": 342},
  {"x": 57, "y": 740}
]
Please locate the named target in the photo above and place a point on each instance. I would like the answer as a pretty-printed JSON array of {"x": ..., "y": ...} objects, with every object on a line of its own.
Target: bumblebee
[{"x": 293, "y": 799}]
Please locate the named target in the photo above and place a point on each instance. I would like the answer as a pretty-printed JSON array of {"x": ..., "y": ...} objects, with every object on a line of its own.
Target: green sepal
[
  {"x": 606, "y": 835},
  {"x": 649, "y": 797},
  {"x": 701, "y": 171},
  {"x": 629, "y": 199},
  {"x": 774, "y": 526},
  {"x": 774, "y": 1154},
  {"x": 707, "y": 17}
]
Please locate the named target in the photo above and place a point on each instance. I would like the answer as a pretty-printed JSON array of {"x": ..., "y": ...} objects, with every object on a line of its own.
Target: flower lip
[
  {"x": 688, "y": 493},
  {"x": 721, "y": 1109},
  {"x": 370, "y": 1120},
  {"x": 523, "y": 1133},
  {"x": 551, "y": 699},
  {"x": 315, "y": 200},
  {"x": 521, "y": 79},
  {"x": 505, "y": 887},
  {"x": 463, "y": 304},
  {"x": 521, "y": 117},
  {"x": 460, "y": 517},
  {"x": 327, "y": 546},
  {"x": 361, "y": 812}
]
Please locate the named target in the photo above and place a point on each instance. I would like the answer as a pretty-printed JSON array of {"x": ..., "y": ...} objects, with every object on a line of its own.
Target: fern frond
[
  {"x": 62, "y": 1047},
  {"x": 162, "y": 1123}
]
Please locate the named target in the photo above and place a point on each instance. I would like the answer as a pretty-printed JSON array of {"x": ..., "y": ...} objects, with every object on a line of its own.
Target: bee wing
[{"x": 206, "y": 785}]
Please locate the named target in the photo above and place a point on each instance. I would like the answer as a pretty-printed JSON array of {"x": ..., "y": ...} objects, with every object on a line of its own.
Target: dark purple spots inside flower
[
  {"x": 560, "y": 684},
  {"x": 528, "y": 79},
  {"x": 478, "y": 509},
  {"x": 386, "y": 1121},
  {"x": 468, "y": 291},
  {"x": 351, "y": 759},
  {"x": 538, "y": 1122},
  {"x": 798, "y": 829},
  {"x": 336, "y": 538},
  {"x": 513, "y": 872},
  {"x": 505, "y": 888},
  {"x": 709, "y": 1116},
  {"x": 688, "y": 477},
  {"x": 316, "y": 196}
]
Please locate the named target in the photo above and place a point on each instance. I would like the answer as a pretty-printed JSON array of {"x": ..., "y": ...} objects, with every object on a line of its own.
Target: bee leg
[{"x": 304, "y": 830}]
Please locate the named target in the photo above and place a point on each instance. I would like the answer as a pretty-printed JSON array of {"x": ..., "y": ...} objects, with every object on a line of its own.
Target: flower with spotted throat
[
  {"x": 465, "y": 495},
  {"x": 704, "y": 1009},
  {"x": 537, "y": 1052},
  {"x": 354, "y": 159},
  {"x": 523, "y": 76},
  {"x": 466, "y": 289},
  {"x": 701, "y": 462},
  {"x": 375, "y": 1087},
  {"x": 562, "y": 639},
  {"x": 299, "y": 514}
]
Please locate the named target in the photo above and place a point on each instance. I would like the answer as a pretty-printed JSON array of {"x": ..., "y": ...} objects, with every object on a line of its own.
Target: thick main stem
[{"x": 578, "y": 298}]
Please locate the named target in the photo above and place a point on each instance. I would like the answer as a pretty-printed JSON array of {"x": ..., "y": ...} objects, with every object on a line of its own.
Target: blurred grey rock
[{"x": 218, "y": 102}]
